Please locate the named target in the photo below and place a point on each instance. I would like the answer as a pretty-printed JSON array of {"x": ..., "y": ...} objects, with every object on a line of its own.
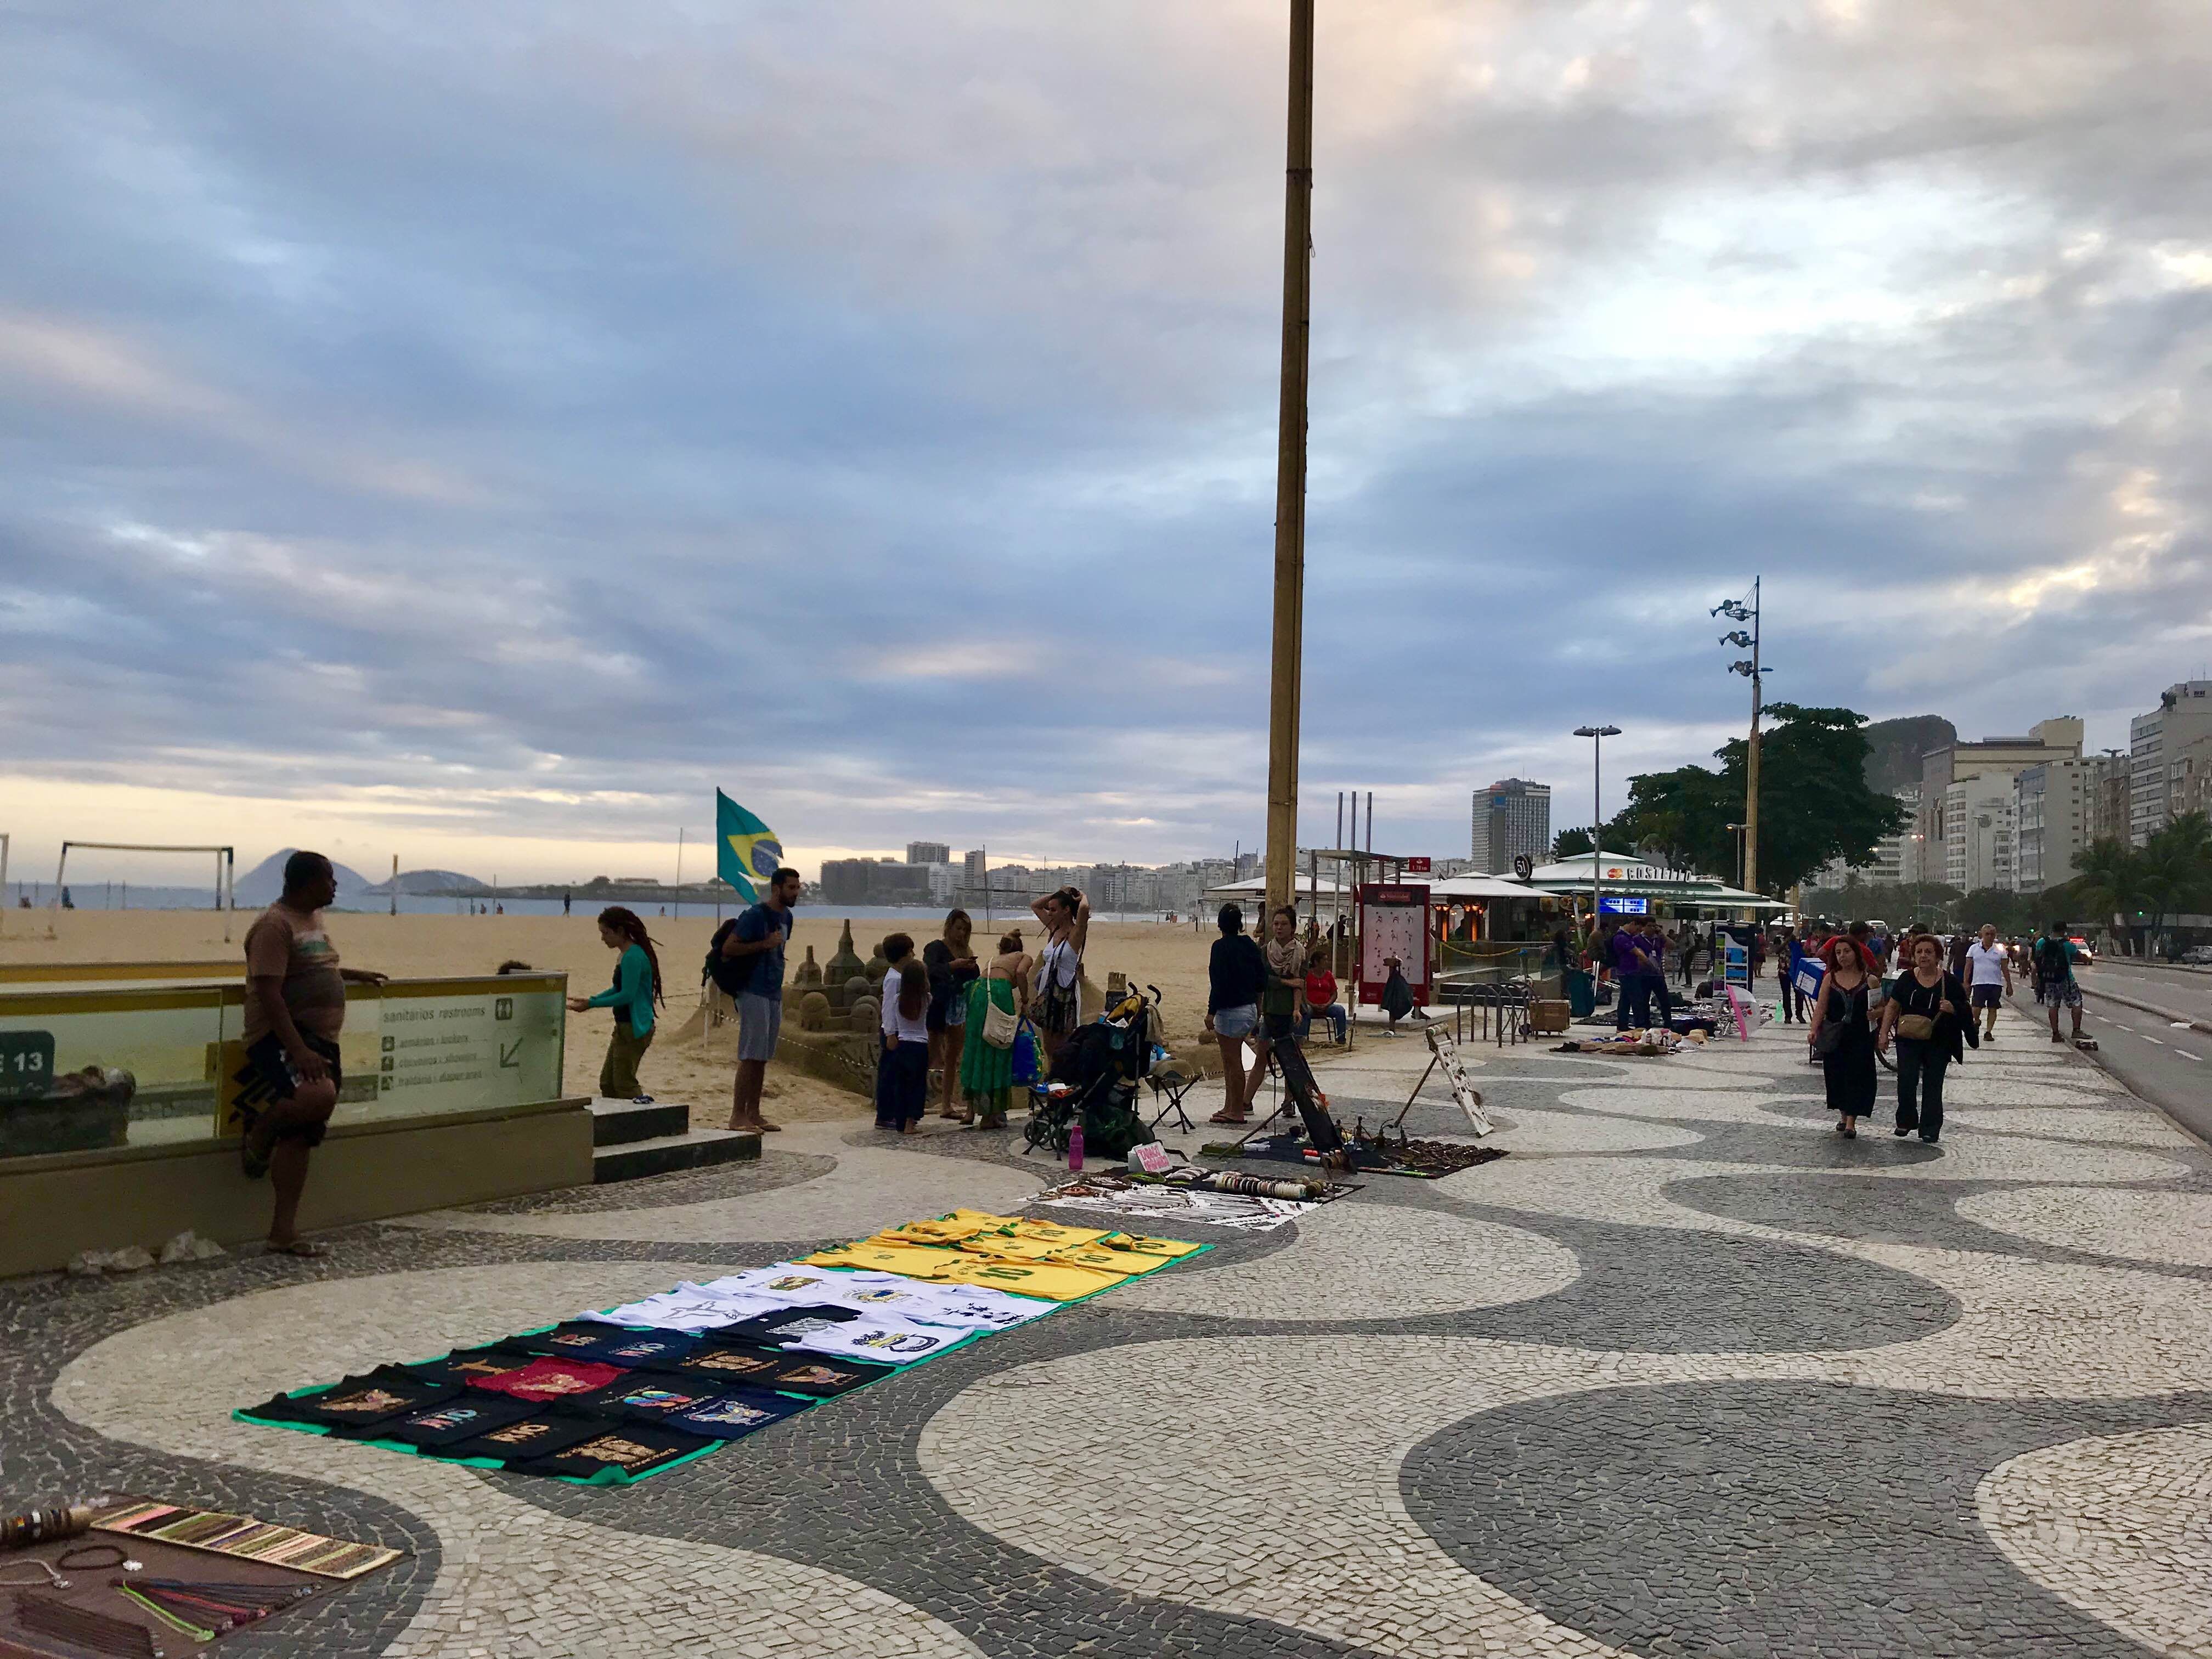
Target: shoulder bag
[
  {"x": 999, "y": 1024},
  {"x": 1915, "y": 1028},
  {"x": 1829, "y": 1039}
]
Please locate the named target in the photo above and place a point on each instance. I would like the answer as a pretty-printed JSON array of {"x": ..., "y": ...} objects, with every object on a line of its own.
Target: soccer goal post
[{"x": 226, "y": 869}]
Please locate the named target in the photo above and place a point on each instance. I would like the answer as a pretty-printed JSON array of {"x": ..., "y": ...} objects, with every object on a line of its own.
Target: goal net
[{"x": 224, "y": 861}]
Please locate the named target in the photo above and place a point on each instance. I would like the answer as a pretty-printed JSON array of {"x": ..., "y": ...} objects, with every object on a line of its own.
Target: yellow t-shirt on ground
[
  {"x": 1054, "y": 1281},
  {"x": 914, "y": 1263}
]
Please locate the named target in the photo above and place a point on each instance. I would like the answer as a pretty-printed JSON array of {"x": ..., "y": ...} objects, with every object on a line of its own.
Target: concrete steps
[{"x": 630, "y": 1140}]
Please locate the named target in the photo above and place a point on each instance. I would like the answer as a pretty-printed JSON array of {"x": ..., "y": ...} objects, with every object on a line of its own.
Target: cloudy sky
[{"x": 475, "y": 432}]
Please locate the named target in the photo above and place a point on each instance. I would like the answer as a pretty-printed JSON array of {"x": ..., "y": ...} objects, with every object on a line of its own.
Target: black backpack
[{"x": 733, "y": 975}]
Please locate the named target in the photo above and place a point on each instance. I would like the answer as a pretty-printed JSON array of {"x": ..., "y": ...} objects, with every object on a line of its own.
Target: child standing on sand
[{"x": 635, "y": 989}]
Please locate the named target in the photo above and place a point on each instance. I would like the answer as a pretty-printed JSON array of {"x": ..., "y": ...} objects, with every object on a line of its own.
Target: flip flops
[{"x": 307, "y": 1247}]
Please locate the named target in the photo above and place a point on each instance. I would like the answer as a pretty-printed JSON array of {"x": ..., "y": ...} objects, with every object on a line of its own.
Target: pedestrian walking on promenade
[
  {"x": 1988, "y": 979},
  {"x": 1065, "y": 916},
  {"x": 952, "y": 965},
  {"x": 1926, "y": 1012},
  {"x": 296, "y": 1007},
  {"x": 1657, "y": 999},
  {"x": 903, "y": 1068},
  {"x": 987, "y": 1068},
  {"x": 1236, "y": 976},
  {"x": 2051, "y": 962},
  {"x": 631, "y": 997},
  {"x": 1793, "y": 956},
  {"x": 1841, "y": 1036},
  {"x": 752, "y": 950}
]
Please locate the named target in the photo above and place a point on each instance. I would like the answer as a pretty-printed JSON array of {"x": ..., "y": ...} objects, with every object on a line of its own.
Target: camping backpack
[{"x": 733, "y": 975}]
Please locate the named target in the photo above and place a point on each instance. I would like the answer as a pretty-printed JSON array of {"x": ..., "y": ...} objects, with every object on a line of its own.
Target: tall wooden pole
[{"x": 1285, "y": 687}]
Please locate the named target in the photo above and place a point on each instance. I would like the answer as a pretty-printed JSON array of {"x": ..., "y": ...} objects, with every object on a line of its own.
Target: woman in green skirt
[{"x": 987, "y": 1074}]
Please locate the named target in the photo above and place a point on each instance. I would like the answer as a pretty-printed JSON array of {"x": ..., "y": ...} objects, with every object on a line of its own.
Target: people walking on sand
[
  {"x": 1927, "y": 1013},
  {"x": 952, "y": 965},
  {"x": 1283, "y": 997},
  {"x": 903, "y": 1068},
  {"x": 1988, "y": 979},
  {"x": 1846, "y": 1057},
  {"x": 987, "y": 1068},
  {"x": 294, "y": 1008},
  {"x": 1237, "y": 974},
  {"x": 1065, "y": 918},
  {"x": 757, "y": 938},
  {"x": 631, "y": 997},
  {"x": 2051, "y": 962}
]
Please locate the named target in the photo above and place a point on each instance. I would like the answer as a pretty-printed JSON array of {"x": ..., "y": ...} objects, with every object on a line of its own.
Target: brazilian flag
[{"x": 749, "y": 850}]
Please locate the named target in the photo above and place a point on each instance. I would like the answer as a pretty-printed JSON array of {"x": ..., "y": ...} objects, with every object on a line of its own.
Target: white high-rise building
[
  {"x": 2055, "y": 813},
  {"x": 1511, "y": 816},
  {"x": 2156, "y": 742},
  {"x": 1978, "y": 829}
]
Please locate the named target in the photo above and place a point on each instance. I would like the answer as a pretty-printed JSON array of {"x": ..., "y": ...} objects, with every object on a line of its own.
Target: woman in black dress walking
[{"x": 1847, "y": 1058}]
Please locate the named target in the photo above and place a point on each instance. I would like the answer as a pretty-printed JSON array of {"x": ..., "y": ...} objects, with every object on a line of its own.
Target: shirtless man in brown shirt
[{"x": 295, "y": 1010}]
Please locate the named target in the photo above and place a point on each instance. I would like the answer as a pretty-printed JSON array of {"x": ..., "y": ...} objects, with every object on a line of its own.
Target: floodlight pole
[
  {"x": 1751, "y": 759},
  {"x": 1285, "y": 686}
]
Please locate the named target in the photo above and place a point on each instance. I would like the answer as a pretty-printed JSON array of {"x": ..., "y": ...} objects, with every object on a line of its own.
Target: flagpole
[{"x": 679, "y": 871}]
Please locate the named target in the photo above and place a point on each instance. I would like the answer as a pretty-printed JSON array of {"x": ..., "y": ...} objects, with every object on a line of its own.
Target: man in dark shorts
[
  {"x": 758, "y": 937},
  {"x": 295, "y": 1010}
]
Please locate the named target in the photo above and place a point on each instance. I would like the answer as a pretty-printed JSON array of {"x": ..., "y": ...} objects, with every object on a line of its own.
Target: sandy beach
[{"x": 699, "y": 1071}]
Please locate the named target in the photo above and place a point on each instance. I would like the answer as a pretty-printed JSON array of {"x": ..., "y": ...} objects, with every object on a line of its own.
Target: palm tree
[
  {"x": 2111, "y": 881},
  {"x": 2177, "y": 868}
]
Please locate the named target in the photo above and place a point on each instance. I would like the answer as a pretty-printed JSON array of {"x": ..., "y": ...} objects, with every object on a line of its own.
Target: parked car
[{"x": 2199, "y": 956}]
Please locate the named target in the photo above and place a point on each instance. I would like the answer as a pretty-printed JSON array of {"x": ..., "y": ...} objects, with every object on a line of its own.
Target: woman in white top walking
[
  {"x": 1989, "y": 978},
  {"x": 903, "y": 1068},
  {"x": 1059, "y": 1002}
]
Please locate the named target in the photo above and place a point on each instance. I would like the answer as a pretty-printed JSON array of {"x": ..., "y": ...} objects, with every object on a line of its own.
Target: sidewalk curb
[{"x": 2205, "y": 1026}]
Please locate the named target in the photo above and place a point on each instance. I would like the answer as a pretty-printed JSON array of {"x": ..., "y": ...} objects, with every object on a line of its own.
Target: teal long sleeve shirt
[{"x": 632, "y": 991}]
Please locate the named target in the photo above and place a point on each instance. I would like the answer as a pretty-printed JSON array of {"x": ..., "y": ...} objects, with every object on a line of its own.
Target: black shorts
[
  {"x": 1986, "y": 996},
  {"x": 1278, "y": 1028},
  {"x": 267, "y": 1079}
]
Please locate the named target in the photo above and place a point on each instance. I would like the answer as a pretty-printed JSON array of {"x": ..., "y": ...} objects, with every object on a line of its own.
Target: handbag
[
  {"x": 999, "y": 1024},
  {"x": 1829, "y": 1039},
  {"x": 1915, "y": 1027}
]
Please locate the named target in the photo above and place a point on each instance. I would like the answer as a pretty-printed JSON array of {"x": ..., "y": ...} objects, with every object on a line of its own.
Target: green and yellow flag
[{"x": 749, "y": 850}]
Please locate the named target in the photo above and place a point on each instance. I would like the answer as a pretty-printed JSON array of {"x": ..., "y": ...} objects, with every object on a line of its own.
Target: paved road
[
  {"x": 2170, "y": 1068},
  {"x": 2190, "y": 993}
]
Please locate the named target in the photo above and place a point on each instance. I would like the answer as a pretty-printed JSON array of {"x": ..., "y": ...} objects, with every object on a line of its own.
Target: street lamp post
[
  {"x": 1737, "y": 830},
  {"x": 1597, "y": 735}
]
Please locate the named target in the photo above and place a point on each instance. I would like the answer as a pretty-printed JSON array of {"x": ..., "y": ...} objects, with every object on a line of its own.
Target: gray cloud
[{"x": 531, "y": 417}]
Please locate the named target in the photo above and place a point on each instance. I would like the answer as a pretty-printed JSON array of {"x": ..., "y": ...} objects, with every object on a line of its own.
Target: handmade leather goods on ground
[
  {"x": 613, "y": 1395},
  {"x": 243, "y": 1537}
]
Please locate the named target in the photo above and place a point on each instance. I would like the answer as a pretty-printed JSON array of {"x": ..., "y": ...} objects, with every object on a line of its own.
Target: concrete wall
[{"x": 52, "y": 1207}]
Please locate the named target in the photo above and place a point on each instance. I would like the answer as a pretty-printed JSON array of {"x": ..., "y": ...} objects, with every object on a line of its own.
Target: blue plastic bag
[{"x": 1028, "y": 1065}]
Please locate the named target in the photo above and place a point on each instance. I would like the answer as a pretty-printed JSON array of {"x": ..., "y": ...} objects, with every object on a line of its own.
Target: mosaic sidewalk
[{"x": 1684, "y": 1374}]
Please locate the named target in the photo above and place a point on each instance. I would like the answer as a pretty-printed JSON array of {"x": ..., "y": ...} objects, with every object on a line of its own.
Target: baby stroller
[{"x": 1101, "y": 1064}]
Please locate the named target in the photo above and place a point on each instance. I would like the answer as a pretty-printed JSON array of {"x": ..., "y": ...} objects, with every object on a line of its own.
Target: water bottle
[{"x": 1075, "y": 1145}]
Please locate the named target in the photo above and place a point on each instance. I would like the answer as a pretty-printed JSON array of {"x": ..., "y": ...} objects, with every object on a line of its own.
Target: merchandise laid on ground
[
  {"x": 1154, "y": 1200},
  {"x": 616, "y": 1394},
  {"x": 1372, "y": 1154},
  {"x": 140, "y": 1581}
]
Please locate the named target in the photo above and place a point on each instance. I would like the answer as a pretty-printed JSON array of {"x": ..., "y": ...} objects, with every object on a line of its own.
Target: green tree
[
  {"x": 1570, "y": 843},
  {"x": 1814, "y": 805}
]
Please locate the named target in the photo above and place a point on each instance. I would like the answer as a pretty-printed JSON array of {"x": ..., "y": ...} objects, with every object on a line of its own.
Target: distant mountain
[
  {"x": 1894, "y": 749},
  {"x": 265, "y": 883},
  {"x": 431, "y": 882}
]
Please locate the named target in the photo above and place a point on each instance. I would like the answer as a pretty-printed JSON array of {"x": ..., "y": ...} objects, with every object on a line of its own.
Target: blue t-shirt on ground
[{"x": 762, "y": 922}]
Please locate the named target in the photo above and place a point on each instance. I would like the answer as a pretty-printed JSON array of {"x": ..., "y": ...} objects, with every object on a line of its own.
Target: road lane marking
[
  {"x": 2185, "y": 1054},
  {"x": 2146, "y": 1037}
]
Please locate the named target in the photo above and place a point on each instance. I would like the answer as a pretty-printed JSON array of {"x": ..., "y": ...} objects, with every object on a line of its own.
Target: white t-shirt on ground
[{"x": 1986, "y": 964}]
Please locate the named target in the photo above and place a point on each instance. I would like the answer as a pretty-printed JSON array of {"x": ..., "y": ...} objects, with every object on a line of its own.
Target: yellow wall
[{"x": 52, "y": 1207}]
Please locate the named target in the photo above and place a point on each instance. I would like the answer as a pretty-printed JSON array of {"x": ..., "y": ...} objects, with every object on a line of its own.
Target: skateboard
[{"x": 2086, "y": 1045}]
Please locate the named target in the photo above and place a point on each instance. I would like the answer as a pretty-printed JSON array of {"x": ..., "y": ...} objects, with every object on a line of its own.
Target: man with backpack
[
  {"x": 745, "y": 961},
  {"x": 2051, "y": 962}
]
